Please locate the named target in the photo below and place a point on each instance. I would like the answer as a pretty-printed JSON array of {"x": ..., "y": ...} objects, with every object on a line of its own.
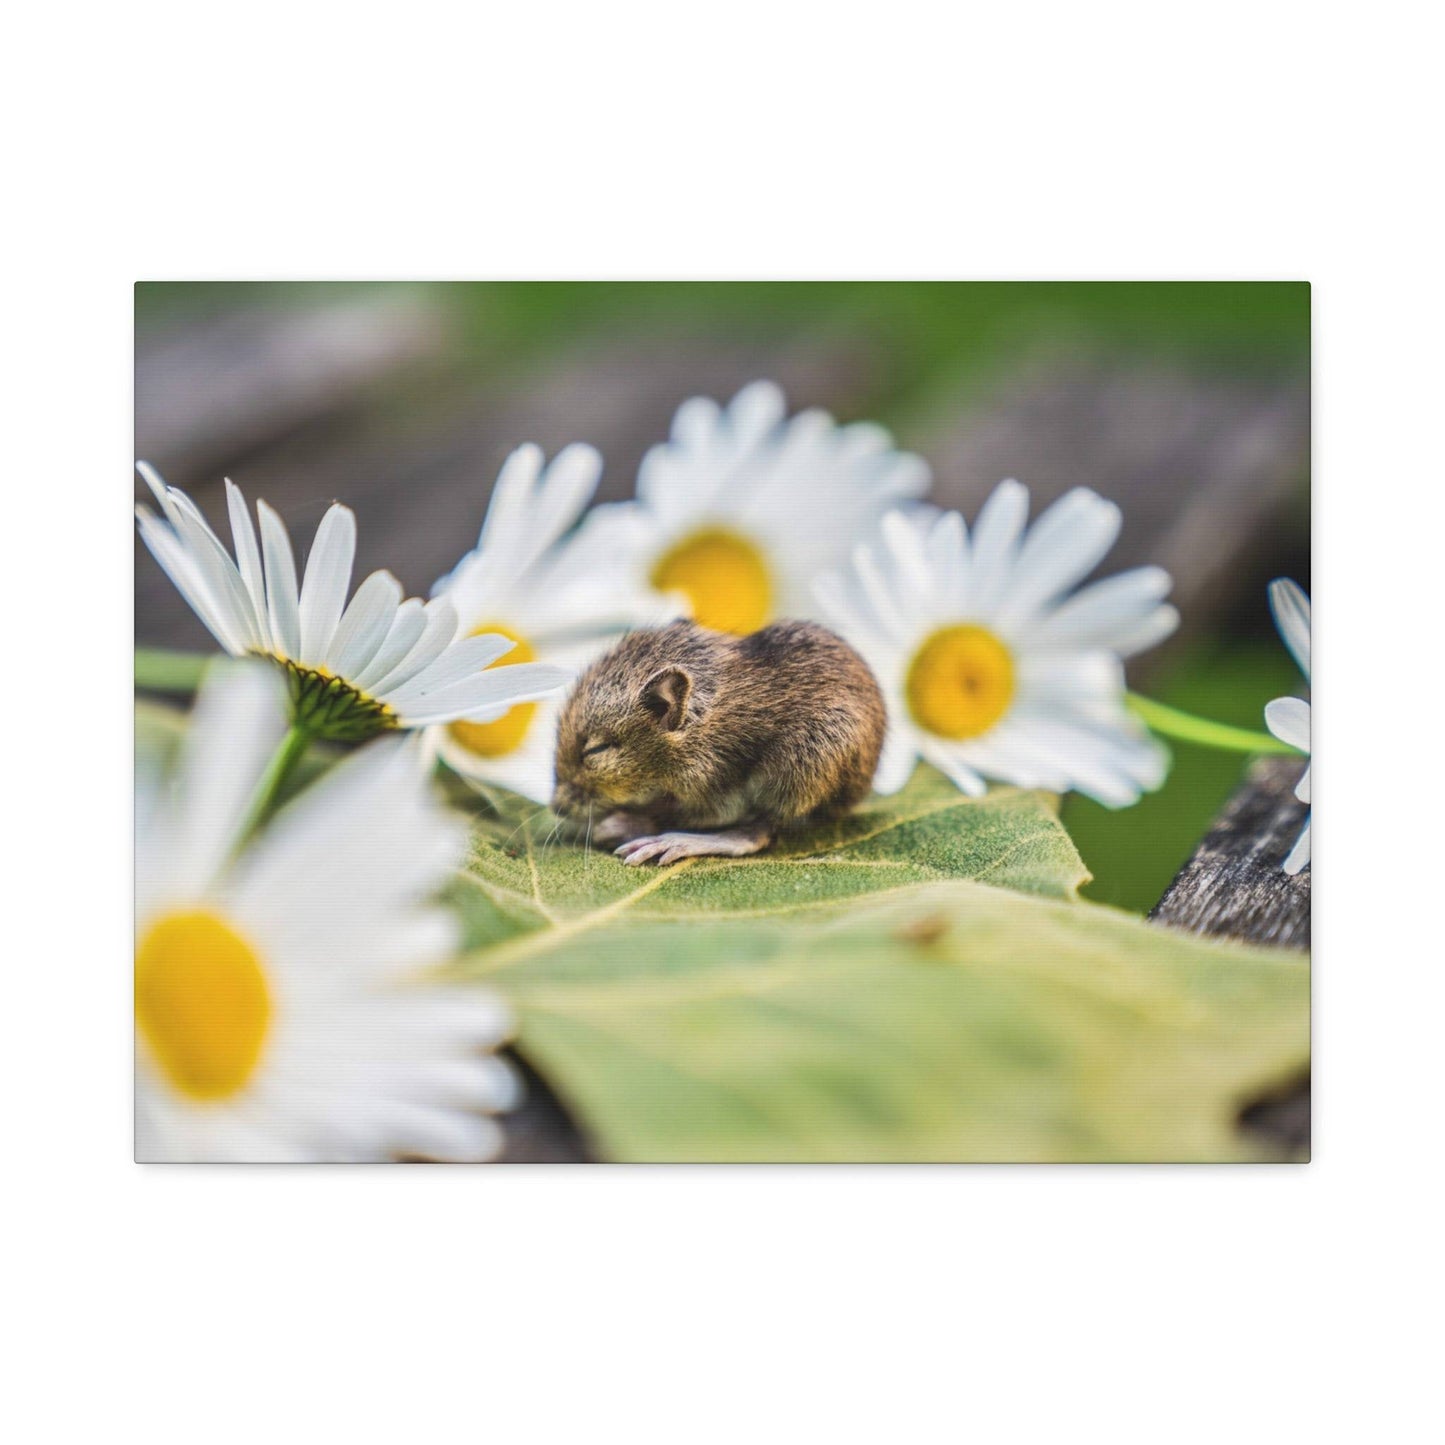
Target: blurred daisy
[
  {"x": 279, "y": 1013},
  {"x": 1288, "y": 718},
  {"x": 353, "y": 669},
  {"x": 990, "y": 668},
  {"x": 738, "y": 513},
  {"x": 558, "y": 602}
]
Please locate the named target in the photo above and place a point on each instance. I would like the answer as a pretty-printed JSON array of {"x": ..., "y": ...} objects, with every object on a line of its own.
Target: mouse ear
[{"x": 665, "y": 696}]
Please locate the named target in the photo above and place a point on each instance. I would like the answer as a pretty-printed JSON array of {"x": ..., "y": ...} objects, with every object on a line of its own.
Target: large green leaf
[{"x": 917, "y": 982}]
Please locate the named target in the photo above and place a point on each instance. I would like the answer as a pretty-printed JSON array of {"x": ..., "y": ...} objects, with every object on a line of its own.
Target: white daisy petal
[
  {"x": 1009, "y": 756},
  {"x": 1074, "y": 680},
  {"x": 899, "y": 757},
  {"x": 327, "y": 580},
  {"x": 564, "y": 490},
  {"x": 489, "y": 1084},
  {"x": 158, "y": 488},
  {"x": 840, "y": 599},
  {"x": 436, "y": 637},
  {"x": 1162, "y": 622},
  {"x": 1291, "y": 608},
  {"x": 459, "y": 661},
  {"x": 1299, "y": 856},
  {"x": 904, "y": 547},
  {"x": 533, "y": 505},
  {"x": 947, "y": 760},
  {"x": 755, "y": 412},
  {"x": 283, "y": 608},
  {"x": 1112, "y": 765},
  {"x": 177, "y": 563},
  {"x": 1062, "y": 547},
  {"x": 519, "y": 682},
  {"x": 364, "y": 625},
  {"x": 876, "y": 591},
  {"x": 1101, "y": 613},
  {"x": 322, "y": 865},
  {"x": 237, "y": 726},
  {"x": 949, "y": 561},
  {"x": 697, "y": 418},
  {"x": 506, "y": 515},
  {"x": 449, "y": 1136},
  {"x": 1288, "y": 718},
  {"x": 227, "y": 591},
  {"x": 405, "y": 632},
  {"x": 995, "y": 543},
  {"x": 248, "y": 558}
]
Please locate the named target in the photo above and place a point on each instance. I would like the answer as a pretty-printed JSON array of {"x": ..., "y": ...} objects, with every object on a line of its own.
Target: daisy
[
  {"x": 990, "y": 668},
  {"x": 738, "y": 513},
  {"x": 1288, "y": 718},
  {"x": 279, "y": 1010},
  {"x": 559, "y": 603},
  {"x": 353, "y": 670}
]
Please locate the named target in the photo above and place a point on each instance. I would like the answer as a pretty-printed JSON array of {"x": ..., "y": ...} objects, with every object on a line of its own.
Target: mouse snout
[{"x": 568, "y": 799}]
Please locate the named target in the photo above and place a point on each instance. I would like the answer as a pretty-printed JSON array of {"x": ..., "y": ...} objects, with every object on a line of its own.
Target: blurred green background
[{"x": 1192, "y": 397}]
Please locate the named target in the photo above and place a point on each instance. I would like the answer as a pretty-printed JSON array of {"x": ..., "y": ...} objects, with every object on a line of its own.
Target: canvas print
[{"x": 722, "y": 722}]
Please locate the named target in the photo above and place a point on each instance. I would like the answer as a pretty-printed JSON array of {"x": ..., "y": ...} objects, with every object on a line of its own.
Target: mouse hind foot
[{"x": 665, "y": 848}]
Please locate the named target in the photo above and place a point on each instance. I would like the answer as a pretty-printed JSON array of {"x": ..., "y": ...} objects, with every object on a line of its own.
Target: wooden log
[
  {"x": 539, "y": 1130},
  {"x": 1234, "y": 887},
  {"x": 219, "y": 388}
]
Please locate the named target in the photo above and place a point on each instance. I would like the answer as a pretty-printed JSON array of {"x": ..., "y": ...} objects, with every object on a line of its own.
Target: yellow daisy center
[
  {"x": 960, "y": 682},
  {"x": 496, "y": 739},
  {"x": 202, "y": 1003},
  {"x": 724, "y": 576}
]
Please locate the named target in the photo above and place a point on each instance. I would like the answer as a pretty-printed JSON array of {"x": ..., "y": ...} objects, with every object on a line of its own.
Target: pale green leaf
[{"x": 915, "y": 983}]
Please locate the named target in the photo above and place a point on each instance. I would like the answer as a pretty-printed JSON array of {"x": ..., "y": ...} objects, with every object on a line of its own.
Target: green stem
[
  {"x": 293, "y": 745},
  {"x": 159, "y": 669},
  {"x": 1170, "y": 722}
]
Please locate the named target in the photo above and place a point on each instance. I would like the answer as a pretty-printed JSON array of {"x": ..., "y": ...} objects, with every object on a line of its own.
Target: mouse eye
[{"x": 594, "y": 748}]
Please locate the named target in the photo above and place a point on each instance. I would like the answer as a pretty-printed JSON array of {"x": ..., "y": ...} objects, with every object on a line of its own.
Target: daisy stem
[
  {"x": 159, "y": 669},
  {"x": 1170, "y": 722},
  {"x": 286, "y": 756}
]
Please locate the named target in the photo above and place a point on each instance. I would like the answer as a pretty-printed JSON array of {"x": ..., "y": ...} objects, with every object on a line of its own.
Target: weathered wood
[
  {"x": 1233, "y": 886},
  {"x": 539, "y": 1130},
  {"x": 215, "y": 389}
]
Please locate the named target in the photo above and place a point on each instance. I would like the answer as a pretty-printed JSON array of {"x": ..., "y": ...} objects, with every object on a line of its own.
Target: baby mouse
[{"x": 682, "y": 742}]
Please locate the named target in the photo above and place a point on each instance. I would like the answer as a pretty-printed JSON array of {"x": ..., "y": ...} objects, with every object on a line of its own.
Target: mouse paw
[{"x": 665, "y": 848}]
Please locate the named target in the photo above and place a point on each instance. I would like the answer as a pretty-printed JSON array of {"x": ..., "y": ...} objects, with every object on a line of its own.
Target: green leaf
[{"x": 917, "y": 982}]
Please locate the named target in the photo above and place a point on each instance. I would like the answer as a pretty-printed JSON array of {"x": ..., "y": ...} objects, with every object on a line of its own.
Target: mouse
[{"x": 682, "y": 742}]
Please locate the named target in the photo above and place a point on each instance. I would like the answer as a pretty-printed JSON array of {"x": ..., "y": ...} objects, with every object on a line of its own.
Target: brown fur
[{"x": 781, "y": 728}]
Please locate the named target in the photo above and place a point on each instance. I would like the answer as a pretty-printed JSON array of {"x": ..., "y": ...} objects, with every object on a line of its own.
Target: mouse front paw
[{"x": 665, "y": 848}]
